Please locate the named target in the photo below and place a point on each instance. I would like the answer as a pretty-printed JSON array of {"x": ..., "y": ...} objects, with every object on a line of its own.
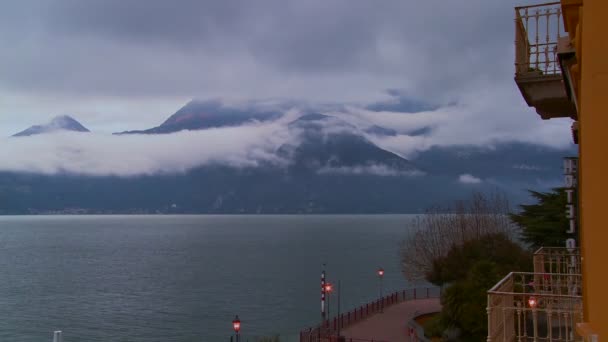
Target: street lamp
[
  {"x": 236, "y": 324},
  {"x": 380, "y": 276}
]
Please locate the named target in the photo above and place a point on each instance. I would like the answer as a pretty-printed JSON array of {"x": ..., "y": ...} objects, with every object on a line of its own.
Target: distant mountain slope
[
  {"x": 298, "y": 188},
  {"x": 59, "y": 123},
  {"x": 515, "y": 161},
  {"x": 327, "y": 144},
  {"x": 327, "y": 165},
  {"x": 197, "y": 115}
]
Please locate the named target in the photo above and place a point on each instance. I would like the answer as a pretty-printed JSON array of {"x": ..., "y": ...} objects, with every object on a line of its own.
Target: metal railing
[
  {"x": 328, "y": 330},
  {"x": 557, "y": 260},
  {"x": 538, "y": 29},
  {"x": 535, "y": 307}
]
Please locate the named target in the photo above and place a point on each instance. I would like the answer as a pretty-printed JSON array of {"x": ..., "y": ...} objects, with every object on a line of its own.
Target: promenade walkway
[
  {"x": 391, "y": 325},
  {"x": 382, "y": 320}
]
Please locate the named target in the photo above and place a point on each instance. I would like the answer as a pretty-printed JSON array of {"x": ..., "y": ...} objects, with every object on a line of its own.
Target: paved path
[{"x": 391, "y": 325}]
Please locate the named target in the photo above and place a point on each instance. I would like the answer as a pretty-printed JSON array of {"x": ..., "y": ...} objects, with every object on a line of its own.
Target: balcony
[
  {"x": 535, "y": 307},
  {"x": 539, "y": 39},
  {"x": 557, "y": 260}
]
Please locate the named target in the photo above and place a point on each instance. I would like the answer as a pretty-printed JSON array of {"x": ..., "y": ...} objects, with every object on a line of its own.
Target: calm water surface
[{"x": 183, "y": 278}]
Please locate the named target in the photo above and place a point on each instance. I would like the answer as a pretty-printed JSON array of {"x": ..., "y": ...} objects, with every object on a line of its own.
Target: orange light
[{"x": 532, "y": 302}]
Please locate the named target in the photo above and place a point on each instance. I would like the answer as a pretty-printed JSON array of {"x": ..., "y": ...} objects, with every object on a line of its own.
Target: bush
[{"x": 471, "y": 270}]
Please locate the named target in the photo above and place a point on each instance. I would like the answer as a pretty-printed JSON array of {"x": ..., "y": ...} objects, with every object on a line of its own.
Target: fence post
[
  {"x": 57, "y": 336},
  {"x": 427, "y": 292}
]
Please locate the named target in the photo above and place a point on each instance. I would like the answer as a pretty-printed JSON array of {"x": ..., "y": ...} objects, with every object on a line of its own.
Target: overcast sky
[{"x": 124, "y": 64}]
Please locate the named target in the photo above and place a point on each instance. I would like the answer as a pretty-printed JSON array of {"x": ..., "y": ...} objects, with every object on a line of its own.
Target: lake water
[{"x": 183, "y": 278}]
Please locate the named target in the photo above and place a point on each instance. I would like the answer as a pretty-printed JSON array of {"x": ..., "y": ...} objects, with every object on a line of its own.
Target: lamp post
[
  {"x": 328, "y": 289},
  {"x": 236, "y": 324},
  {"x": 338, "y": 315},
  {"x": 380, "y": 276}
]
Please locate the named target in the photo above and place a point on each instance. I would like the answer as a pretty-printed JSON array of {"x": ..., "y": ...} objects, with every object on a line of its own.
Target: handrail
[
  {"x": 539, "y": 5},
  {"x": 538, "y": 29},
  {"x": 511, "y": 274},
  {"x": 329, "y": 328}
]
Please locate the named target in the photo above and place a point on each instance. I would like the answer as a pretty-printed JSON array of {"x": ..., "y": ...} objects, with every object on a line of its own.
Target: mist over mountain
[
  {"x": 213, "y": 158},
  {"x": 58, "y": 123}
]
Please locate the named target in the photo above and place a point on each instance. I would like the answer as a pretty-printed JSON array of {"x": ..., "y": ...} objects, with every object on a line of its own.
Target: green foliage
[
  {"x": 471, "y": 270},
  {"x": 460, "y": 260},
  {"x": 544, "y": 223}
]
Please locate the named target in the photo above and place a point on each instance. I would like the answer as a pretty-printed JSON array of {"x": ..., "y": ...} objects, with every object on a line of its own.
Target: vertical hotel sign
[{"x": 571, "y": 180}]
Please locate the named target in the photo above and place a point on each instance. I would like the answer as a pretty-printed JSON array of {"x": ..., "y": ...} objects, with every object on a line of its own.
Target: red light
[
  {"x": 380, "y": 272},
  {"x": 236, "y": 324},
  {"x": 532, "y": 302},
  {"x": 328, "y": 287}
]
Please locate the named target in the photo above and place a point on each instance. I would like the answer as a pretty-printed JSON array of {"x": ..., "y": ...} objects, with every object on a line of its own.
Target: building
[{"x": 561, "y": 69}]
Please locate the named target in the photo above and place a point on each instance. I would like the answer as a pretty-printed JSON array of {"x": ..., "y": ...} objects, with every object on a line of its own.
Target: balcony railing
[
  {"x": 535, "y": 307},
  {"x": 557, "y": 260},
  {"x": 537, "y": 31}
]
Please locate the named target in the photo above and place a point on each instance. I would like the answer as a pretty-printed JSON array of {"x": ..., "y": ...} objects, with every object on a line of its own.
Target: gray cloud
[
  {"x": 120, "y": 65},
  {"x": 130, "y": 155},
  {"x": 469, "y": 179}
]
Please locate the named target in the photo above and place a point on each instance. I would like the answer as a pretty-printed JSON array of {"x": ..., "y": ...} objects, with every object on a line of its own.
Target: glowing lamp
[
  {"x": 236, "y": 324},
  {"x": 532, "y": 302},
  {"x": 380, "y": 272}
]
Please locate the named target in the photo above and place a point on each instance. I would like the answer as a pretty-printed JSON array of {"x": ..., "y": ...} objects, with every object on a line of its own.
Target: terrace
[{"x": 542, "y": 51}]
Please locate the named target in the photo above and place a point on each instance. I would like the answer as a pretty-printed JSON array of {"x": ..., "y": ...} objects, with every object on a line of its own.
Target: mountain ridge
[{"x": 58, "y": 123}]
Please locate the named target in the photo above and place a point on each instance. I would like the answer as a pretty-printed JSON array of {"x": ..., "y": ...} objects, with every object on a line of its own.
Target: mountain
[
  {"x": 59, "y": 123},
  {"x": 196, "y": 115},
  {"x": 326, "y": 144},
  {"x": 299, "y": 187},
  {"x": 382, "y": 131},
  {"x": 327, "y": 166}
]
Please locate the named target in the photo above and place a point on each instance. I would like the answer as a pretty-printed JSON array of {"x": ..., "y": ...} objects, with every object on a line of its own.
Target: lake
[{"x": 184, "y": 278}]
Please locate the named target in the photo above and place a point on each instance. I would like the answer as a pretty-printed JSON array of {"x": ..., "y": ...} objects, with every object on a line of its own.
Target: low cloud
[
  {"x": 253, "y": 144},
  {"x": 375, "y": 169},
  {"x": 469, "y": 179},
  {"x": 129, "y": 155}
]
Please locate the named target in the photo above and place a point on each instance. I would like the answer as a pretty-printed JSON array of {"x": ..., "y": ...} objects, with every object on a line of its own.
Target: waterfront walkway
[
  {"x": 367, "y": 322},
  {"x": 391, "y": 325}
]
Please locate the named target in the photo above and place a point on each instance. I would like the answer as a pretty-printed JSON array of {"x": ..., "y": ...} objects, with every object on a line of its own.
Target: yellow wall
[{"x": 593, "y": 146}]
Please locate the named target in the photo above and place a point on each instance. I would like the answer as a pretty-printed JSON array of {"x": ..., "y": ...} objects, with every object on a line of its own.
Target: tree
[
  {"x": 544, "y": 223},
  {"x": 440, "y": 229},
  {"x": 472, "y": 269}
]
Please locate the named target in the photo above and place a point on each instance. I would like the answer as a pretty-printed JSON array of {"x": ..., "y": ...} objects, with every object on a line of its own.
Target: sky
[{"x": 120, "y": 65}]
